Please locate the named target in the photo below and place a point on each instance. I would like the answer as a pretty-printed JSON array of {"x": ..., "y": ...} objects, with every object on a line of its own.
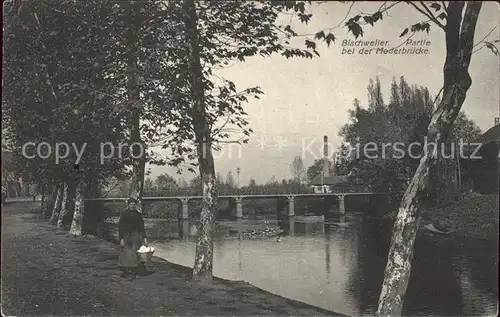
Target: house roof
[
  {"x": 329, "y": 180},
  {"x": 492, "y": 135}
]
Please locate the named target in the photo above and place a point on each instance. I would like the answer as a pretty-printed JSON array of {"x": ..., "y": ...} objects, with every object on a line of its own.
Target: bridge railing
[{"x": 242, "y": 191}]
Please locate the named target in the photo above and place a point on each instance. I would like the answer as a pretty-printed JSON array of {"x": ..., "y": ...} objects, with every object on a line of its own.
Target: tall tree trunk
[
  {"x": 51, "y": 197},
  {"x": 203, "y": 262},
  {"x": 138, "y": 163},
  {"x": 68, "y": 219},
  {"x": 64, "y": 206},
  {"x": 17, "y": 189},
  {"x": 459, "y": 170},
  {"x": 459, "y": 34},
  {"x": 57, "y": 206},
  {"x": 43, "y": 203},
  {"x": 46, "y": 193},
  {"x": 76, "y": 225},
  {"x": 92, "y": 220}
]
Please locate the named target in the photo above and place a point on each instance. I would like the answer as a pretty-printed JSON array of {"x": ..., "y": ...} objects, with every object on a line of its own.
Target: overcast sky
[{"x": 307, "y": 99}]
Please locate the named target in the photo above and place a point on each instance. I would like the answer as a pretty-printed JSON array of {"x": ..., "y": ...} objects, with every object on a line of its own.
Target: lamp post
[{"x": 238, "y": 175}]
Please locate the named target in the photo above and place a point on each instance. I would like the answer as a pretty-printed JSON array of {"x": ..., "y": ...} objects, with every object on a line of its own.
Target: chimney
[
  {"x": 326, "y": 171},
  {"x": 497, "y": 121}
]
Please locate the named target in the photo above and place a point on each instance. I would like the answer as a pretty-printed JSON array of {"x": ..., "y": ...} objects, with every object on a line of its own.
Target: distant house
[
  {"x": 12, "y": 184},
  {"x": 324, "y": 182},
  {"x": 485, "y": 171},
  {"x": 327, "y": 184},
  {"x": 477, "y": 170}
]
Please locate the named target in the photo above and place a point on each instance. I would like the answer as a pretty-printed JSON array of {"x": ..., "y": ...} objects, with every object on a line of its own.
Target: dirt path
[{"x": 46, "y": 272}]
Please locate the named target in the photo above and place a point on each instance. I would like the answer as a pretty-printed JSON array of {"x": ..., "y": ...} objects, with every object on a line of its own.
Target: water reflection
[
  {"x": 339, "y": 264},
  {"x": 288, "y": 227},
  {"x": 434, "y": 284},
  {"x": 183, "y": 229},
  {"x": 240, "y": 263},
  {"x": 328, "y": 241},
  {"x": 476, "y": 278}
]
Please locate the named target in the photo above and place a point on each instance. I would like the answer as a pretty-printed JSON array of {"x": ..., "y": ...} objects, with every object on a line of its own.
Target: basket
[{"x": 145, "y": 256}]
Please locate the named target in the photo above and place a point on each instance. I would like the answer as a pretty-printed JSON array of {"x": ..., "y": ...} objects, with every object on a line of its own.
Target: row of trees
[
  {"x": 127, "y": 72},
  {"x": 300, "y": 179},
  {"x": 403, "y": 119},
  {"x": 457, "y": 20},
  {"x": 94, "y": 72},
  {"x": 166, "y": 183}
]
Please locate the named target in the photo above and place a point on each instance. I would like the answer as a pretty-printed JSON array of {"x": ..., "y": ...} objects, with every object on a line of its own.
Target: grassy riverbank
[
  {"x": 469, "y": 215},
  {"x": 46, "y": 272}
]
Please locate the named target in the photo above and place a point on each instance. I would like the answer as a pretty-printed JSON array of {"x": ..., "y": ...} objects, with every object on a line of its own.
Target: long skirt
[{"x": 128, "y": 257}]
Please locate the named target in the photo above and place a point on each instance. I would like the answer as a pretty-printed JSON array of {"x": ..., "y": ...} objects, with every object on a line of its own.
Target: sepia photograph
[{"x": 250, "y": 158}]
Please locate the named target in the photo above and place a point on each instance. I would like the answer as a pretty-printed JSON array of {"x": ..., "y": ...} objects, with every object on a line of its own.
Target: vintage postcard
[{"x": 246, "y": 158}]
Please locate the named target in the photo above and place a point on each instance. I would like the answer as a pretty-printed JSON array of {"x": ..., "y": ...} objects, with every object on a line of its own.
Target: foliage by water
[
  {"x": 404, "y": 119},
  {"x": 267, "y": 232},
  {"x": 470, "y": 215}
]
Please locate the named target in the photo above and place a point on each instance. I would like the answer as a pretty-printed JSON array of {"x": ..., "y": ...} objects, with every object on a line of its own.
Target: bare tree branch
[
  {"x": 382, "y": 8},
  {"x": 232, "y": 142},
  {"x": 444, "y": 6},
  {"x": 346, "y": 15},
  {"x": 433, "y": 19},
  {"x": 487, "y": 34},
  {"x": 222, "y": 127},
  {"x": 432, "y": 15}
]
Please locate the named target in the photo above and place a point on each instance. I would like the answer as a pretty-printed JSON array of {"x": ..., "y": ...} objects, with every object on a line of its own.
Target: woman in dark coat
[{"x": 132, "y": 234}]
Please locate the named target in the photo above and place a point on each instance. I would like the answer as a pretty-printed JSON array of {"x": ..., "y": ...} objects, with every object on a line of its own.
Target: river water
[{"x": 338, "y": 264}]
